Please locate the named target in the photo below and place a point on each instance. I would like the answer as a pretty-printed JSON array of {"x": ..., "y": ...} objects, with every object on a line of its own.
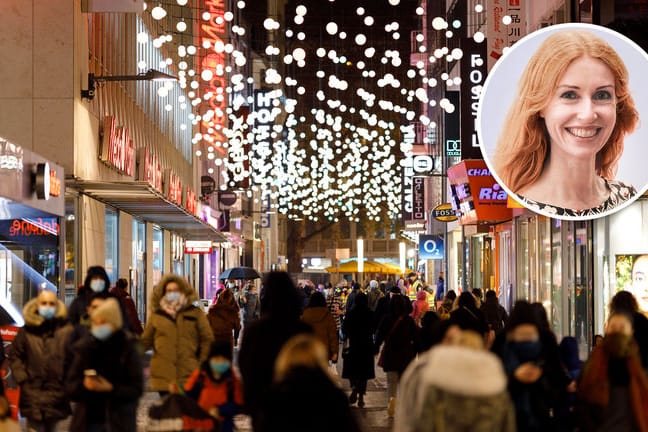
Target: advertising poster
[
  {"x": 632, "y": 275},
  {"x": 12, "y": 391}
]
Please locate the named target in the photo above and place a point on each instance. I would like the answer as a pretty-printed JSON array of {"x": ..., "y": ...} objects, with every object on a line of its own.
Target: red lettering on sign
[
  {"x": 37, "y": 227},
  {"x": 117, "y": 147},
  {"x": 190, "y": 201},
  {"x": 55, "y": 184}
]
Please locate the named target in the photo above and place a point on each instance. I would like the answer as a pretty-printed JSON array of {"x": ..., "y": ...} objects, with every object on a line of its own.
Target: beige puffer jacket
[{"x": 180, "y": 344}]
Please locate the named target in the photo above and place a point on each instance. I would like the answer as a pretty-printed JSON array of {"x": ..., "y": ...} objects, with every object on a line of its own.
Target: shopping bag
[{"x": 177, "y": 413}]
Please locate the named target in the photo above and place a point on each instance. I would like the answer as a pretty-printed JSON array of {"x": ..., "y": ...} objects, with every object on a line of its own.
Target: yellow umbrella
[
  {"x": 394, "y": 269},
  {"x": 352, "y": 267}
]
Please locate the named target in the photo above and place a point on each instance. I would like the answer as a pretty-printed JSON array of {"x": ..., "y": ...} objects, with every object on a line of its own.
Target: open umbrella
[{"x": 239, "y": 273}]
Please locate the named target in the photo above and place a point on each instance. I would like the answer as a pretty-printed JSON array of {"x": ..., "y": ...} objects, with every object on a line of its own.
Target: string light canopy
[{"x": 339, "y": 89}]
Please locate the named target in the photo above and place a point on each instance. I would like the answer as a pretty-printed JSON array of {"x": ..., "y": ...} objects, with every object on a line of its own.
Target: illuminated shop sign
[
  {"x": 34, "y": 227},
  {"x": 476, "y": 196},
  {"x": 198, "y": 246},
  {"x": 262, "y": 144},
  {"x": 190, "y": 200},
  {"x": 407, "y": 164},
  {"x": 148, "y": 168},
  {"x": 473, "y": 75},
  {"x": 117, "y": 148},
  {"x": 444, "y": 213},
  {"x": 173, "y": 187},
  {"x": 500, "y": 35},
  {"x": 213, "y": 34},
  {"x": 418, "y": 199}
]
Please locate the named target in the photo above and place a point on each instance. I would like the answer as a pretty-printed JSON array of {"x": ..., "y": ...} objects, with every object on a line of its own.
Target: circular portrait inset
[{"x": 559, "y": 121}]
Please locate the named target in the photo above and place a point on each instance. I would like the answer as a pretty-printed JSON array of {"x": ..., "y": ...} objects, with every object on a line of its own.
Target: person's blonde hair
[
  {"x": 301, "y": 350},
  {"x": 523, "y": 146}
]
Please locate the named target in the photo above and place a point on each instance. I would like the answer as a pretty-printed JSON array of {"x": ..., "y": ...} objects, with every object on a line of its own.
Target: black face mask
[
  {"x": 617, "y": 344},
  {"x": 527, "y": 351}
]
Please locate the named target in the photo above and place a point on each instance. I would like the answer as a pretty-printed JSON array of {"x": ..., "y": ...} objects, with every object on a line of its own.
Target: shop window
[
  {"x": 158, "y": 254},
  {"x": 112, "y": 244},
  {"x": 71, "y": 256},
  {"x": 138, "y": 269}
]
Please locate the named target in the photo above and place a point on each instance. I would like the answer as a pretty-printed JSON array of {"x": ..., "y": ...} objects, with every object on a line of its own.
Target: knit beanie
[
  {"x": 373, "y": 284},
  {"x": 110, "y": 312}
]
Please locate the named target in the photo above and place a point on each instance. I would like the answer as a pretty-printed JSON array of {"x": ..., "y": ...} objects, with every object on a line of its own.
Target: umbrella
[{"x": 239, "y": 273}]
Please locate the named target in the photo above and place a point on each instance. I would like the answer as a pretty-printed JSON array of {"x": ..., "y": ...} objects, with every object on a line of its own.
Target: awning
[{"x": 139, "y": 199}]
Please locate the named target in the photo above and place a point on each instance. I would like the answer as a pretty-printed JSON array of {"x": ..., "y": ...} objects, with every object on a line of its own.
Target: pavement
[{"x": 373, "y": 417}]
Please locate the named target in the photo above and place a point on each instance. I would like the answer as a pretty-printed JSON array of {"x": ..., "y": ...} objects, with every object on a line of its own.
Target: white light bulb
[{"x": 158, "y": 13}]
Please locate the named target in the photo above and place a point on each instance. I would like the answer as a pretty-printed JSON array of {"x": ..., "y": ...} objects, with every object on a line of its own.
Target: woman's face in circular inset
[{"x": 581, "y": 114}]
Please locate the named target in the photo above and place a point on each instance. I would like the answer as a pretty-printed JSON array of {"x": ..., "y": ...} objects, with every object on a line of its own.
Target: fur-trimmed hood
[
  {"x": 33, "y": 318},
  {"x": 463, "y": 370},
  {"x": 158, "y": 291}
]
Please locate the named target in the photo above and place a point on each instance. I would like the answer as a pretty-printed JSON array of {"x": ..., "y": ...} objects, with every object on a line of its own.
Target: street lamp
[{"x": 149, "y": 75}]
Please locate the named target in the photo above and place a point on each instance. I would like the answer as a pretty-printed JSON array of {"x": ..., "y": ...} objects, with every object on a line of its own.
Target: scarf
[{"x": 173, "y": 307}]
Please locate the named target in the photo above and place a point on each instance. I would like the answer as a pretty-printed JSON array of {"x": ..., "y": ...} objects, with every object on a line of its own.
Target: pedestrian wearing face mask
[
  {"x": 216, "y": 387},
  {"x": 177, "y": 331},
  {"x": 96, "y": 282},
  {"x": 106, "y": 378},
  {"x": 613, "y": 389},
  {"x": 37, "y": 362}
]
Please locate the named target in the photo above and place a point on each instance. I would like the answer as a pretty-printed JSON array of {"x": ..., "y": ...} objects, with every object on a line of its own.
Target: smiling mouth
[{"x": 583, "y": 132}]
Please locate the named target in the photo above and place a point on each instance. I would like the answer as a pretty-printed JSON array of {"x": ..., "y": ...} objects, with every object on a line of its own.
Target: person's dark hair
[
  {"x": 317, "y": 299},
  {"x": 477, "y": 292},
  {"x": 307, "y": 290},
  {"x": 624, "y": 302},
  {"x": 569, "y": 353},
  {"x": 541, "y": 316},
  {"x": 466, "y": 299},
  {"x": 398, "y": 306},
  {"x": 491, "y": 294},
  {"x": 92, "y": 273},
  {"x": 451, "y": 295},
  {"x": 121, "y": 283},
  {"x": 522, "y": 313},
  {"x": 361, "y": 302},
  {"x": 217, "y": 348},
  {"x": 279, "y": 296}
]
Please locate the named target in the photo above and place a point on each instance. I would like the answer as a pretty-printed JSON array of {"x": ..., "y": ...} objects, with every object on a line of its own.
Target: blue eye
[
  {"x": 569, "y": 95},
  {"x": 602, "y": 95}
]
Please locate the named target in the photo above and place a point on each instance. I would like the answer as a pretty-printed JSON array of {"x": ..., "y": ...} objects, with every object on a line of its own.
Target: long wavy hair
[{"x": 523, "y": 146}]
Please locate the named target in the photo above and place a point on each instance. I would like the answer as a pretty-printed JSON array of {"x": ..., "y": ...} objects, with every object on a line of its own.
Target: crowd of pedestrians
[{"x": 452, "y": 363}]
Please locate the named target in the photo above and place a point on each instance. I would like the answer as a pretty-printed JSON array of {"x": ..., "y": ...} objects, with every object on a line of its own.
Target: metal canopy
[{"x": 139, "y": 199}]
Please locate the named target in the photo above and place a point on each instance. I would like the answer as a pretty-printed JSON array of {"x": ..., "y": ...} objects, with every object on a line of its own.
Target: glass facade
[
  {"x": 158, "y": 254},
  {"x": 112, "y": 244},
  {"x": 138, "y": 268}
]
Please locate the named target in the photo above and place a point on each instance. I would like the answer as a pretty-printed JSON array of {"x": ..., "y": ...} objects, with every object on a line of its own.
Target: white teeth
[{"x": 583, "y": 133}]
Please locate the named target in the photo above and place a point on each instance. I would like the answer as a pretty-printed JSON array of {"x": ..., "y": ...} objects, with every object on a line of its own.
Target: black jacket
[
  {"x": 401, "y": 340},
  {"x": 358, "y": 327},
  {"x": 37, "y": 359},
  {"x": 118, "y": 359}
]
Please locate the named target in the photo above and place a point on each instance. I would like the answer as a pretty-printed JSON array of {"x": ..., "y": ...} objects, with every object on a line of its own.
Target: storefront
[
  {"x": 31, "y": 215},
  {"x": 480, "y": 205},
  {"x": 621, "y": 245}
]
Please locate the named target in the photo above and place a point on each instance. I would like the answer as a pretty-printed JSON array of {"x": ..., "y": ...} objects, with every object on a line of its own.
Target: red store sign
[
  {"x": 148, "y": 168},
  {"x": 117, "y": 147}
]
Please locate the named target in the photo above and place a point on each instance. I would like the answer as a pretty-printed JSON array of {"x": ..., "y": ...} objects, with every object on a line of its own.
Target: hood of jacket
[
  {"x": 462, "y": 370},
  {"x": 185, "y": 288},
  {"x": 33, "y": 318},
  {"x": 315, "y": 314}
]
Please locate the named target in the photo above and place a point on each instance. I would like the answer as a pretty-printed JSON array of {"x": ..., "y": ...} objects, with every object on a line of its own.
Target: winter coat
[
  {"x": 37, "y": 362},
  {"x": 225, "y": 394},
  {"x": 374, "y": 295},
  {"x": 494, "y": 314},
  {"x": 358, "y": 327},
  {"x": 420, "y": 306},
  {"x": 118, "y": 359},
  {"x": 180, "y": 344},
  {"x": 401, "y": 339},
  {"x": 454, "y": 388},
  {"x": 250, "y": 307},
  {"x": 323, "y": 324},
  {"x": 260, "y": 345},
  {"x": 128, "y": 304},
  {"x": 223, "y": 320},
  {"x": 640, "y": 326},
  {"x": 306, "y": 400}
]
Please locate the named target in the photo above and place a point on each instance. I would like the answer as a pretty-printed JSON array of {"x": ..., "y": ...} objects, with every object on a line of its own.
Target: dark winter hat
[
  {"x": 395, "y": 290},
  {"x": 95, "y": 271},
  {"x": 220, "y": 348},
  {"x": 412, "y": 274}
]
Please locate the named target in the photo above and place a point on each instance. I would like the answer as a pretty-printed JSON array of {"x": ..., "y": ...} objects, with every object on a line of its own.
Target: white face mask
[{"x": 97, "y": 285}]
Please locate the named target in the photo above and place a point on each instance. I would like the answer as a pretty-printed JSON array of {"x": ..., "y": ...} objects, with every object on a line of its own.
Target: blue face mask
[
  {"x": 219, "y": 368},
  {"x": 102, "y": 331},
  {"x": 97, "y": 285},
  {"x": 173, "y": 296},
  {"x": 527, "y": 351},
  {"x": 47, "y": 312}
]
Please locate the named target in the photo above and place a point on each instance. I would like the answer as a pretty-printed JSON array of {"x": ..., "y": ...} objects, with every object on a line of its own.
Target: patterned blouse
[{"x": 619, "y": 193}]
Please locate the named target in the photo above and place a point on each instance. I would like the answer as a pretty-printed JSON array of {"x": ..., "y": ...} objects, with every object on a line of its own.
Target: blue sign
[{"x": 431, "y": 247}]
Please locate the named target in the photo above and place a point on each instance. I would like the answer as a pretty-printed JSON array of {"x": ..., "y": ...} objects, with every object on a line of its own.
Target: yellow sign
[{"x": 444, "y": 213}]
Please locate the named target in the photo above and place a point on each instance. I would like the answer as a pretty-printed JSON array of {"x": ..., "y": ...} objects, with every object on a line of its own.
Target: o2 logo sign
[{"x": 431, "y": 247}]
